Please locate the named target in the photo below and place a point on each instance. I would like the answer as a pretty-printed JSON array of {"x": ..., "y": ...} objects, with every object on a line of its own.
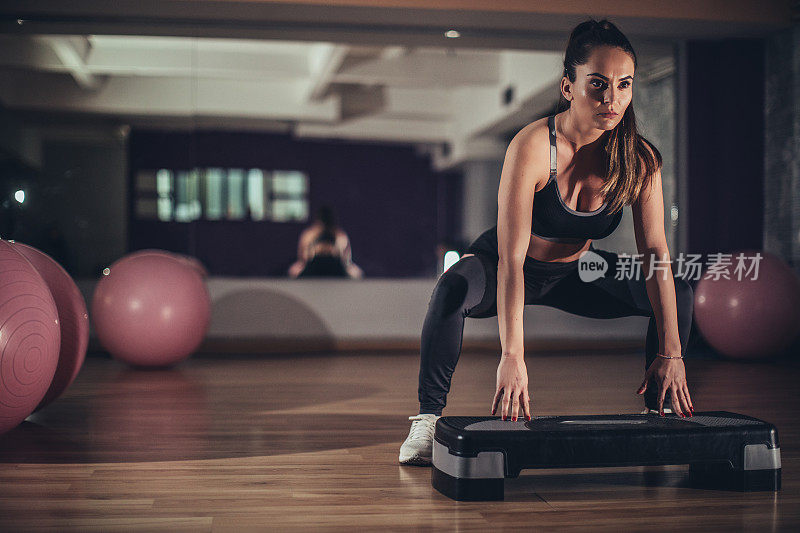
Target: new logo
[{"x": 591, "y": 266}]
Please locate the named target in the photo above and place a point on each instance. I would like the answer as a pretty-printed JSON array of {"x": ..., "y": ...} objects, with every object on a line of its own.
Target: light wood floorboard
[{"x": 238, "y": 443}]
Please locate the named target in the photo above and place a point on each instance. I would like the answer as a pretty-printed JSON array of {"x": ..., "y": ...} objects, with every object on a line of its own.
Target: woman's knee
[{"x": 459, "y": 288}]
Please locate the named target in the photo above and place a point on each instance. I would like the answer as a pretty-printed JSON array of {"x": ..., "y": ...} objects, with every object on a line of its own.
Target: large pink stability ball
[
  {"x": 749, "y": 318},
  {"x": 150, "y": 310},
  {"x": 188, "y": 260},
  {"x": 194, "y": 263},
  {"x": 73, "y": 320},
  {"x": 29, "y": 337}
]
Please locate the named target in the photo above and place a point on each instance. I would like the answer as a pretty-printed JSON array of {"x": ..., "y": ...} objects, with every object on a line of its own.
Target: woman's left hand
[{"x": 670, "y": 375}]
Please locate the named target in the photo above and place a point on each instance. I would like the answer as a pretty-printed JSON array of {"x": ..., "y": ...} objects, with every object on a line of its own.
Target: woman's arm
[
  {"x": 304, "y": 244},
  {"x": 518, "y": 180},
  {"x": 524, "y": 166},
  {"x": 303, "y": 253},
  {"x": 651, "y": 241},
  {"x": 343, "y": 244}
]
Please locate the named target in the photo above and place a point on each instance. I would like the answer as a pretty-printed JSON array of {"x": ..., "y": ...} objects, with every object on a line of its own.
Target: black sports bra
[{"x": 555, "y": 221}]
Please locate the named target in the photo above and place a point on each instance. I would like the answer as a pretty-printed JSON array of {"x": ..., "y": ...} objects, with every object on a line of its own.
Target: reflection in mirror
[{"x": 198, "y": 145}]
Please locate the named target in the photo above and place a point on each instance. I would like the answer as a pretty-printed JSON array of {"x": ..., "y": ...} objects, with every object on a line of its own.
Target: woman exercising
[
  {"x": 591, "y": 151},
  {"x": 323, "y": 250}
]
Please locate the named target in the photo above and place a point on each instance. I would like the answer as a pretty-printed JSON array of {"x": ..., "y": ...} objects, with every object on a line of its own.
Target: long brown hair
[{"x": 629, "y": 164}]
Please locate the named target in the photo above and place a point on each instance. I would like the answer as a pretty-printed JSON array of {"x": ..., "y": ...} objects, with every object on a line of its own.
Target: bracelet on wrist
[{"x": 670, "y": 356}]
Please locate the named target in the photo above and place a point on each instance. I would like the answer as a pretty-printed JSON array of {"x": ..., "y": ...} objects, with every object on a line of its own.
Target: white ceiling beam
[
  {"x": 390, "y": 52},
  {"x": 378, "y": 128},
  {"x": 461, "y": 150},
  {"x": 324, "y": 61},
  {"x": 72, "y": 61},
  {"x": 430, "y": 104},
  {"x": 479, "y": 109},
  {"x": 273, "y": 100},
  {"x": 426, "y": 68},
  {"x": 136, "y": 56},
  {"x": 258, "y": 101}
]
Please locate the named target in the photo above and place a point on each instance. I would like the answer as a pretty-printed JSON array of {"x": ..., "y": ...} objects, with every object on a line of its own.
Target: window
[
  {"x": 213, "y": 193},
  {"x": 222, "y": 194},
  {"x": 187, "y": 196},
  {"x": 256, "y": 194},
  {"x": 289, "y": 193},
  {"x": 236, "y": 200},
  {"x": 164, "y": 190}
]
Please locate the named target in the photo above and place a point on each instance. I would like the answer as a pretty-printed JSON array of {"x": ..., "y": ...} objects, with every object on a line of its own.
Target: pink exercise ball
[
  {"x": 749, "y": 318},
  {"x": 188, "y": 260},
  {"x": 73, "y": 320},
  {"x": 194, "y": 263},
  {"x": 29, "y": 337},
  {"x": 150, "y": 309}
]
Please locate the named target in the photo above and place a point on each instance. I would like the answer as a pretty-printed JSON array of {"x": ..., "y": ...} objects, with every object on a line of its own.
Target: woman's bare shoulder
[
  {"x": 341, "y": 236},
  {"x": 532, "y": 144},
  {"x": 533, "y": 137},
  {"x": 310, "y": 232}
]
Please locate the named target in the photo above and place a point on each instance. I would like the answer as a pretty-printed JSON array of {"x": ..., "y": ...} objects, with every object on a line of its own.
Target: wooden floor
[{"x": 301, "y": 442}]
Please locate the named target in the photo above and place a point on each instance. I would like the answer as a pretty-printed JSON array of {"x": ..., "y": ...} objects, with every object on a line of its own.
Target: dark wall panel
[{"x": 726, "y": 145}]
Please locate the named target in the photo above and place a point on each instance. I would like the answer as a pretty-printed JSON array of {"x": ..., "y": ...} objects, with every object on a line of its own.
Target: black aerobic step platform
[{"x": 472, "y": 456}]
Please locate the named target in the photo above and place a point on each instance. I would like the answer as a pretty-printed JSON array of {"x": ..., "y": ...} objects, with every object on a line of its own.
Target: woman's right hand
[{"x": 512, "y": 388}]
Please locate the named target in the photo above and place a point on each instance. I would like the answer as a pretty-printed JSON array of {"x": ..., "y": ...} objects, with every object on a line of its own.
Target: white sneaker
[{"x": 417, "y": 449}]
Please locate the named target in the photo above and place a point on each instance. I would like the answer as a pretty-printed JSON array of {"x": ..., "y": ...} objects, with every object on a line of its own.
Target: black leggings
[{"x": 469, "y": 289}]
